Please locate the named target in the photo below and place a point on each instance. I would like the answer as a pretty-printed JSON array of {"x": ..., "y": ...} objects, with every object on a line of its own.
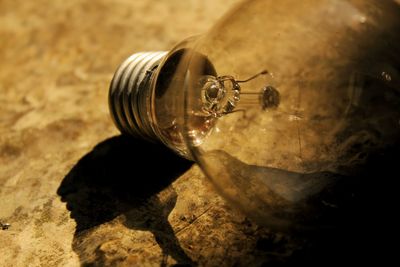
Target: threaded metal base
[{"x": 130, "y": 92}]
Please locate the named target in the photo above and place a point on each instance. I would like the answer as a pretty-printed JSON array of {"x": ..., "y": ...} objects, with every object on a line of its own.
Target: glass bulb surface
[
  {"x": 285, "y": 105},
  {"x": 327, "y": 99}
]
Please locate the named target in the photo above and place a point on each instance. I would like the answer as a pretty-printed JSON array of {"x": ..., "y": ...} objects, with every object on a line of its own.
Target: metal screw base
[{"x": 130, "y": 94}]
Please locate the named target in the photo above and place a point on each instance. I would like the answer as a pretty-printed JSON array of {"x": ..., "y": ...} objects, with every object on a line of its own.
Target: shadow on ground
[{"x": 122, "y": 175}]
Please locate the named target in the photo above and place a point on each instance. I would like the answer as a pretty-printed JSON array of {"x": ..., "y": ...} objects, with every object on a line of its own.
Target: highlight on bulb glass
[{"x": 280, "y": 103}]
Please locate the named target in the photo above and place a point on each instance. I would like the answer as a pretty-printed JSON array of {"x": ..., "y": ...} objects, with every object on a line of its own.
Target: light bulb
[{"x": 278, "y": 103}]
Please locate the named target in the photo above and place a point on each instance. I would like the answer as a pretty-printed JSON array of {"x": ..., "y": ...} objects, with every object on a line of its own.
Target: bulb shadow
[{"x": 123, "y": 175}]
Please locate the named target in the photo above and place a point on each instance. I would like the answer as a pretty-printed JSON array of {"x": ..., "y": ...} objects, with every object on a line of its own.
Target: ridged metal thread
[{"x": 130, "y": 92}]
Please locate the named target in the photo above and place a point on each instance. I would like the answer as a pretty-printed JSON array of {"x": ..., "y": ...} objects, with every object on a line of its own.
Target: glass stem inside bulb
[{"x": 223, "y": 95}]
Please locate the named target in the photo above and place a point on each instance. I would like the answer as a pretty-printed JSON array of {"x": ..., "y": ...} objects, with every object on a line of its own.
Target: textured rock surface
[
  {"x": 72, "y": 192},
  {"x": 77, "y": 193}
]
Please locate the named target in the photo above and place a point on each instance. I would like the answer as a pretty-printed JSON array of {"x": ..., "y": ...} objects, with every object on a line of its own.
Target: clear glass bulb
[{"x": 278, "y": 103}]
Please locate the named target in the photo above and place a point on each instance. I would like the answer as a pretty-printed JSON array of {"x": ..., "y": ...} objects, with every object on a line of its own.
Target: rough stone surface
[{"x": 73, "y": 190}]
